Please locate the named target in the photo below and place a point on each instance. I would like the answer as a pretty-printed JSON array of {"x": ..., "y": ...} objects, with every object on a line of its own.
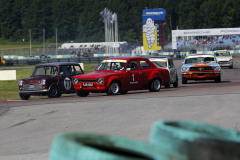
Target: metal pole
[
  {"x": 116, "y": 33},
  {"x": 56, "y": 43},
  {"x": 30, "y": 42},
  {"x": 43, "y": 41},
  {"x": 106, "y": 34}
]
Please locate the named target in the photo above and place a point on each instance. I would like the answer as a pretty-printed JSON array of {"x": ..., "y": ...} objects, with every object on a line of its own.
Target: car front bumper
[
  {"x": 201, "y": 75},
  {"x": 34, "y": 92},
  {"x": 225, "y": 63},
  {"x": 95, "y": 88}
]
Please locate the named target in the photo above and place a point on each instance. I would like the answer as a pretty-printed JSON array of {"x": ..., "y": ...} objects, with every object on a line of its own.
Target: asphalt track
[{"x": 28, "y": 127}]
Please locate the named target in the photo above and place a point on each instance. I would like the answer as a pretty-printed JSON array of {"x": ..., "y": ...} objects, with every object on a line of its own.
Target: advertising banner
[
  {"x": 202, "y": 32},
  {"x": 153, "y": 28}
]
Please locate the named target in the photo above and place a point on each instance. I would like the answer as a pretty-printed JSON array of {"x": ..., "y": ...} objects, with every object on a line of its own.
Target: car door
[
  {"x": 146, "y": 70},
  {"x": 133, "y": 75},
  {"x": 65, "y": 78},
  {"x": 172, "y": 71}
]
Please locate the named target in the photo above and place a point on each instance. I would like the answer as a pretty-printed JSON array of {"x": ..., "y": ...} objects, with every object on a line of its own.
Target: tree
[
  {"x": 228, "y": 14},
  {"x": 131, "y": 36},
  {"x": 8, "y": 18}
]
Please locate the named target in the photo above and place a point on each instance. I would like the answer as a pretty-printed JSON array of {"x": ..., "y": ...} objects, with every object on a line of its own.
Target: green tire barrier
[
  {"x": 83, "y": 146},
  {"x": 197, "y": 141}
]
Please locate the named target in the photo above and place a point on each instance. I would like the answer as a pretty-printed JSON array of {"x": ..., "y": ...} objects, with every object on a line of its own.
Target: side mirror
[{"x": 128, "y": 69}]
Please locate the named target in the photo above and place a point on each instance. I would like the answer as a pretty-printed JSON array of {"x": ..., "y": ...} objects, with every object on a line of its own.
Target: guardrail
[{"x": 50, "y": 60}]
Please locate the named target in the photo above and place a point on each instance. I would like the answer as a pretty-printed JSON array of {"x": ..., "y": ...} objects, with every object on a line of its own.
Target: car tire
[
  {"x": 168, "y": 84},
  {"x": 155, "y": 85},
  {"x": 24, "y": 96},
  {"x": 53, "y": 92},
  {"x": 113, "y": 88},
  {"x": 59, "y": 94},
  {"x": 175, "y": 84},
  {"x": 123, "y": 92},
  {"x": 231, "y": 67},
  {"x": 218, "y": 79},
  {"x": 184, "y": 80},
  {"x": 82, "y": 93}
]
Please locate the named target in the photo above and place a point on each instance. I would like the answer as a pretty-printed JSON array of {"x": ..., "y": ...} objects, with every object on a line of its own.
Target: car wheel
[
  {"x": 184, "y": 80},
  {"x": 218, "y": 80},
  {"x": 113, "y": 89},
  {"x": 155, "y": 85},
  {"x": 175, "y": 84},
  {"x": 168, "y": 84},
  {"x": 53, "y": 92},
  {"x": 24, "y": 96},
  {"x": 123, "y": 92},
  {"x": 231, "y": 67},
  {"x": 59, "y": 94},
  {"x": 82, "y": 93}
]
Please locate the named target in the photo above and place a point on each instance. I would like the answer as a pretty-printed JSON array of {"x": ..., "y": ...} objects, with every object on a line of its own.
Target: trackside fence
[{"x": 53, "y": 60}]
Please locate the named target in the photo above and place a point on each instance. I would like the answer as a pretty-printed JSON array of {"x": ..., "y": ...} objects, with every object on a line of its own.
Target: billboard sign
[
  {"x": 202, "y": 32},
  {"x": 153, "y": 28}
]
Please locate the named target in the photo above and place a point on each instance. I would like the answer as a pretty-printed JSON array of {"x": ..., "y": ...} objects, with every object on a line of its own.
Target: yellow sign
[{"x": 150, "y": 41}]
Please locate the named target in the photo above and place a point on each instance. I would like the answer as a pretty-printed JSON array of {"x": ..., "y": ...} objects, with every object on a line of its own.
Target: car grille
[
  {"x": 32, "y": 87},
  {"x": 223, "y": 62},
  {"x": 88, "y": 80},
  {"x": 201, "y": 68}
]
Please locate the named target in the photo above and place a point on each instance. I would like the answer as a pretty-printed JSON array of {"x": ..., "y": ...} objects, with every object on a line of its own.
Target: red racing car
[{"x": 120, "y": 75}]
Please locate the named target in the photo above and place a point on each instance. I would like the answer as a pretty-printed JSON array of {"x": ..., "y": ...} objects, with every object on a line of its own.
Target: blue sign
[
  {"x": 153, "y": 28},
  {"x": 154, "y": 14}
]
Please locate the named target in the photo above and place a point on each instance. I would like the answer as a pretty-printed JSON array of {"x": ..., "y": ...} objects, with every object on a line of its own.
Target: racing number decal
[
  {"x": 133, "y": 80},
  {"x": 67, "y": 83}
]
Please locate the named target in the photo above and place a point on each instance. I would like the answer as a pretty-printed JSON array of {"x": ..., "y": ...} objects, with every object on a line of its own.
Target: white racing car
[
  {"x": 224, "y": 58},
  {"x": 167, "y": 63}
]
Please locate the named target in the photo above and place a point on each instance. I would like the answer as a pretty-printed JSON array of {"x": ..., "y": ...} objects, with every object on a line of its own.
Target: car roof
[
  {"x": 200, "y": 55},
  {"x": 162, "y": 56},
  {"x": 221, "y": 51},
  {"x": 59, "y": 64},
  {"x": 168, "y": 57},
  {"x": 129, "y": 58}
]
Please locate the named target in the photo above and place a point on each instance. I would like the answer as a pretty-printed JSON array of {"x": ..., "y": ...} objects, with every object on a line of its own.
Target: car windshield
[
  {"x": 112, "y": 64},
  {"x": 162, "y": 63},
  {"x": 45, "y": 70},
  {"x": 222, "y": 54},
  {"x": 200, "y": 60}
]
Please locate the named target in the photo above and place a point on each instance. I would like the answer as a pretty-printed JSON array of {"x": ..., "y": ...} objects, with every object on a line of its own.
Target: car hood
[
  {"x": 98, "y": 74},
  {"x": 36, "y": 79},
  {"x": 200, "y": 65},
  {"x": 224, "y": 58}
]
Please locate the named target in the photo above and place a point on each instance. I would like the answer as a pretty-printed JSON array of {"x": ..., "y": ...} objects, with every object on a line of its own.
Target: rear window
[{"x": 144, "y": 65}]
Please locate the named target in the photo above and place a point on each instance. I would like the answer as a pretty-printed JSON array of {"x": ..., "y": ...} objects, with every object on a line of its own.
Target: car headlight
[
  {"x": 185, "y": 69},
  {"x": 230, "y": 60},
  {"x": 43, "y": 81},
  {"x": 217, "y": 68},
  {"x": 100, "y": 80},
  {"x": 20, "y": 83},
  {"x": 76, "y": 80}
]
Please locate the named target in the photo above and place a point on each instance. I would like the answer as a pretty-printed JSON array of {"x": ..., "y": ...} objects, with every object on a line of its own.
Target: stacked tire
[
  {"x": 79, "y": 146},
  {"x": 197, "y": 141}
]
